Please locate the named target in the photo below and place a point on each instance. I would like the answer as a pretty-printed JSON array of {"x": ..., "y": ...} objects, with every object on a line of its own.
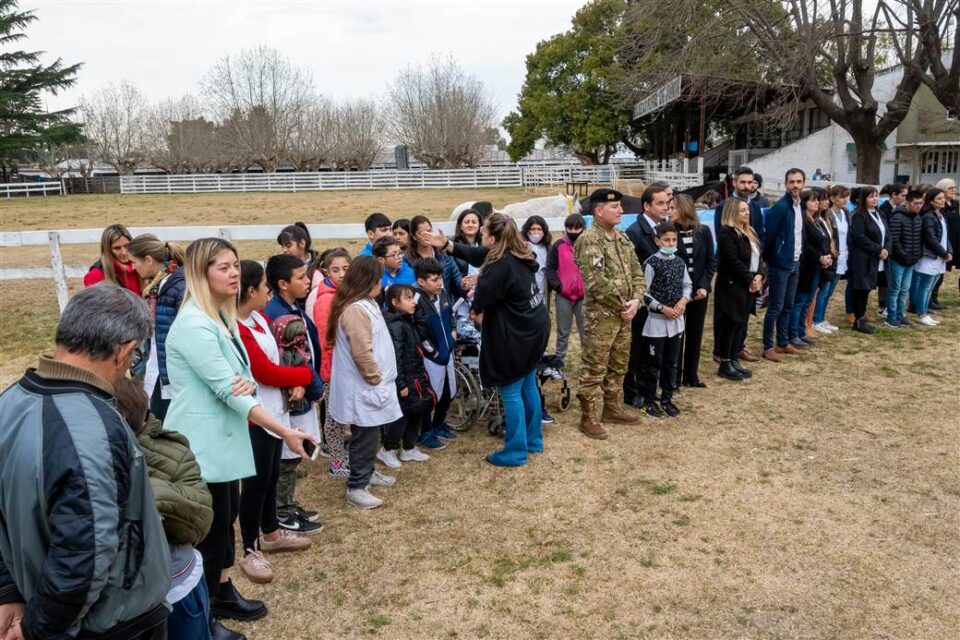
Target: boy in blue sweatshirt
[
  {"x": 434, "y": 321},
  {"x": 287, "y": 277}
]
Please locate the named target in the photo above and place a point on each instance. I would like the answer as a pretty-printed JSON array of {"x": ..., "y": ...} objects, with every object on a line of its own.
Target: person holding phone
[
  {"x": 214, "y": 397},
  {"x": 258, "y": 493}
]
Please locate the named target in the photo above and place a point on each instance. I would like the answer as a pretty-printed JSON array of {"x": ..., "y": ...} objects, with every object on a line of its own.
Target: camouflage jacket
[{"x": 612, "y": 275}]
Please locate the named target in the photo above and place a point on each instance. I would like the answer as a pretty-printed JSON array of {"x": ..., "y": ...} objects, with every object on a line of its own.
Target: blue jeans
[
  {"x": 824, "y": 293},
  {"x": 783, "y": 289},
  {"x": 190, "y": 617},
  {"x": 898, "y": 288},
  {"x": 524, "y": 422},
  {"x": 921, "y": 290}
]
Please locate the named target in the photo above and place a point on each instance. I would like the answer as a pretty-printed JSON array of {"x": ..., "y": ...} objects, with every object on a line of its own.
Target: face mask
[
  {"x": 668, "y": 250},
  {"x": 535, "y": 238},
  {"x": 573, "y": 236}
]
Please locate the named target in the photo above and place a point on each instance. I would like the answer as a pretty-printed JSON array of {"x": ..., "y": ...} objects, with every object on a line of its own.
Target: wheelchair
[{"x": 473, "y": 403}]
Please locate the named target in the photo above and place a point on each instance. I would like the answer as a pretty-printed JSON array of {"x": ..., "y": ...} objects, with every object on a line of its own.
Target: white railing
[
  {"x": 59, "y": 272},
  {"x": 26, "y": 189}
]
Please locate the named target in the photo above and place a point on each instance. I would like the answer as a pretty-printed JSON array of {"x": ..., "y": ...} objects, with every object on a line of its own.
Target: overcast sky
[{"x": 353, "y": 48}]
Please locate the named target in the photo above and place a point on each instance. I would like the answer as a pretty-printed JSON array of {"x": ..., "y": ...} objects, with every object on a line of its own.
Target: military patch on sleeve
[{"x": 598, "y": 262}]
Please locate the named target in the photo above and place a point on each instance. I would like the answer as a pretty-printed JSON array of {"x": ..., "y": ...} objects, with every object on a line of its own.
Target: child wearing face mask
[
  {"x": 537, "y": 234},
  {"x": 668, "y": 292},
  {"x": 563, "y": 277}
]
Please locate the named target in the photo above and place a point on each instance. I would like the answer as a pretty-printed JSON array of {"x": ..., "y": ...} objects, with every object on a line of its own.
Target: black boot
[
  {"x": 727, "y": 371},
  {"x": 231, "y": 605},
  {"x": 863, "y": 326},
  {"x": 220, "y": 632},
  {"x": 746, "y": 373}
]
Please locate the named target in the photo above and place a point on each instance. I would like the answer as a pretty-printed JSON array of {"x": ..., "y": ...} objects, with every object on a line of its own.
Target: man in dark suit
[
  {"x": 743, "y": 180},
  {"x": 655, "y": 202},
  {"x": 783, "y": 229}
]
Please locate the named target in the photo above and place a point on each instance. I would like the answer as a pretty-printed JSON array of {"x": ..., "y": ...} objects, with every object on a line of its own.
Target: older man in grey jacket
[{"x": 82, "y": 549}]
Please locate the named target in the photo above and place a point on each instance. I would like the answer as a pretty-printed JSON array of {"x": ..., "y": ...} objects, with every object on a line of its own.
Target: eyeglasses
[{"x": 395, "y": 254}]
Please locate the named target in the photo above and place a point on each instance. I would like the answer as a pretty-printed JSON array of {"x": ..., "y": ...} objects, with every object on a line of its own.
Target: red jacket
[
  {"x": 321, "y": 314},
  {"x": 127, "y": 276},
  {"x": 264, "y": 370}
]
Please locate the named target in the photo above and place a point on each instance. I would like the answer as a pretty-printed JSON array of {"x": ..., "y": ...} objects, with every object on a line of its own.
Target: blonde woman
[
  {"x": 213, "y": 400},
  {"x": 738, "y": 281},
  {"x": 114, "y": 264}
]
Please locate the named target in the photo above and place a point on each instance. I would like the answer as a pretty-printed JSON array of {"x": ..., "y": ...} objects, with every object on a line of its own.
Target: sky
[{"x": 354, "y": 49}]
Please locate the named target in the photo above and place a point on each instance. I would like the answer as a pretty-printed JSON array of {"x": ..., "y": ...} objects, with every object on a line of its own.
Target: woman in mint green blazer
[{"x": 214, "y": 400}]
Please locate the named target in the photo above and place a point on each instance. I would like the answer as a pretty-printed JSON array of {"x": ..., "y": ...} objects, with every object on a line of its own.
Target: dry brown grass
[{"x": 818, "y": 500}]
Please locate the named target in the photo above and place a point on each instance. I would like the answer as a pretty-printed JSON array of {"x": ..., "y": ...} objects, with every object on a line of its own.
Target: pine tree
[{"x": 26, "y": 128}]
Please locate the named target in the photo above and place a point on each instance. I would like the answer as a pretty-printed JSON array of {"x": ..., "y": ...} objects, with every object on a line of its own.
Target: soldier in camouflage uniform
[{"x": 613, "y": 283}]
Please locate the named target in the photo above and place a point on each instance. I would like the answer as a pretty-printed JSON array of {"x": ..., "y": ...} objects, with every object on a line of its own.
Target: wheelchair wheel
[
  {"x": 563, "y": 399},
  {"x": 466, "y": 403}
]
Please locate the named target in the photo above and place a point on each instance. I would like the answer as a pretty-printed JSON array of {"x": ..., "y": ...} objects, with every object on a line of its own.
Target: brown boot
[
  {"x": 589, "y": 425},
  {"x": 614, "y": 412}
]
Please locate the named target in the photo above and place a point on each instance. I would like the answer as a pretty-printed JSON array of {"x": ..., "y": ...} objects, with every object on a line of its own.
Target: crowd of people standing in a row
[{"x": 228, "y": 373}]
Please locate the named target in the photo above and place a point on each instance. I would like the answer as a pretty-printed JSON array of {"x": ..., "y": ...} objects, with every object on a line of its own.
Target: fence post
[
  {"x": 223, "y": 233},
  {"x": 59, "y": 273}
]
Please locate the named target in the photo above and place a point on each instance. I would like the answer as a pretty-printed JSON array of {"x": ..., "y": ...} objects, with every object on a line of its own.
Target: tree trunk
[{"x": 869, "y": 156}]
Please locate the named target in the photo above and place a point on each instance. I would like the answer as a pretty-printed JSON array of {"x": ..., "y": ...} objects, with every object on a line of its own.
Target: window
[{"x": 937, "y": 162}]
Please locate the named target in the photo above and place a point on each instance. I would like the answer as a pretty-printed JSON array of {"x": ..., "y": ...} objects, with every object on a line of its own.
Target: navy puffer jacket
[{"x": 168, "y": 303}]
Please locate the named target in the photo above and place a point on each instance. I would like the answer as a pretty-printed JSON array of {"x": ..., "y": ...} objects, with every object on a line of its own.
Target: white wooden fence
[
  {"x": 60, "y": 273},
  {"x": 28, "y": 189}
]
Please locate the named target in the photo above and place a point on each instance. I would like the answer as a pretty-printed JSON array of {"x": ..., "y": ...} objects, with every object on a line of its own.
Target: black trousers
[
  {"x": 407, "y": 429},
  {"x": 728, "y": 334},
  {"x": 631, "y": 381},
  {"x": 660, "y": 361},
  {"x": 218, "y": 548},
  {"x": 858, "y": 300},
  {"x": 694, "y": 319},
  {"x": 258, "y": 494}
]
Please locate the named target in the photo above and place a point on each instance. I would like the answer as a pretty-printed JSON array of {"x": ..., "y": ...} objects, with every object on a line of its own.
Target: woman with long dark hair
[
  {"x": 695, "y": 246},
  {"x": 537, "y": 234},
  {"x": 814, "y": 257},
  {"x": 515, "y": 326},
  {"x": 363, "y": 391},
  {"x": 937, "y": 253},
  {"x": 869, "y": 244},
  {"x": 420, "y": 226}
]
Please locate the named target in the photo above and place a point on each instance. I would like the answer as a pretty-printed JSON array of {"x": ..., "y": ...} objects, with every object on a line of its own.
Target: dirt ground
[{"x": 818, "y": 500}]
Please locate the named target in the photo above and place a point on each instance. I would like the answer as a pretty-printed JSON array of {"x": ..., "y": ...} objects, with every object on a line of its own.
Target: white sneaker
[
  {"x": 413, "y": 455},
  {"x": 823, "y": 327},
  {"x": 382, "y": 480},
  {"x": 935, "y": 321},
  {"x": 927, "y": 321},
  {"x": 363, "y": 499},
  {"x": 388, "y": 458}
]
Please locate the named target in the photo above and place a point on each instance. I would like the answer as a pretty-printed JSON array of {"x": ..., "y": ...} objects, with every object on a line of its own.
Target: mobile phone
[{"x": 311, "y": 449}]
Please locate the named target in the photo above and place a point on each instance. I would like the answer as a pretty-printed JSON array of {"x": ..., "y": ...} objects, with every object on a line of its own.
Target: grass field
[{"x": 821, "y": 499}]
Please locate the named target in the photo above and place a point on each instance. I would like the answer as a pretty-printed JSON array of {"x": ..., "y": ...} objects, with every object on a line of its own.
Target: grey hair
[
  {"x": 946, "y": 183},
  {"x": 101, "y": 318}
]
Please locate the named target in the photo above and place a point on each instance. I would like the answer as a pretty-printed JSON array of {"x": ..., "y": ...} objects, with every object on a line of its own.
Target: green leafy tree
[
  {"x": 570, "y": 97},
  {"x": 26, "y": 128}
]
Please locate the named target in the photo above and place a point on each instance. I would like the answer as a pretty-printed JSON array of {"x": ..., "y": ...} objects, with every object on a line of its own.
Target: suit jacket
[
  {"x": 865, "y": 241},
  {"x": 778, "y": 237},
  {"x": 816, "y": 244},
  {"x": 202, "y": 361},
  {"x": 643, "y": 237},
  {"x": 733, "y": 299}
]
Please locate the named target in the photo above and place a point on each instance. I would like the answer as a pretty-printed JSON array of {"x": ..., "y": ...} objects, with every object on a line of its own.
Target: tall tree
[
  {"x": 116, "y": 120},
  {"x": 357, "y": 135},
  {"x": 570, "y": 97},
  {"x": 441, "y": 114},
  {"x": 26, "y": 127}
]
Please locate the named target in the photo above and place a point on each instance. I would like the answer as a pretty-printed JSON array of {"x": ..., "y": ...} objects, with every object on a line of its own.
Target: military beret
[{"x": 605, "y": 195}]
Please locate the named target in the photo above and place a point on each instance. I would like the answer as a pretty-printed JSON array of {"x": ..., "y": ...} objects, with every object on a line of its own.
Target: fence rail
[{"x": 26, "y": 189}]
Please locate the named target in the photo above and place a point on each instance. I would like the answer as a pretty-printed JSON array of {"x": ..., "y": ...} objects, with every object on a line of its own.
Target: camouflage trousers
[
  {"x": 605, "y": 354},
  {"x": 290, "y": 472}
]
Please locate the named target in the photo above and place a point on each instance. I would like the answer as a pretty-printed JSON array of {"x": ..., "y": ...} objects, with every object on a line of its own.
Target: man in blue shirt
[{"x": 377, "y": 226}]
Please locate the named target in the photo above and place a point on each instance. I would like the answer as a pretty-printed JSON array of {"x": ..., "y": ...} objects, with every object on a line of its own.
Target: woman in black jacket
[
  {"x": 738, "y": 281},
  {"x": 814, "y": 256},
  {"x": 514, "y": 326},
  {"x": 695, "y": 246},
  {"x": 869, "y": 243}
]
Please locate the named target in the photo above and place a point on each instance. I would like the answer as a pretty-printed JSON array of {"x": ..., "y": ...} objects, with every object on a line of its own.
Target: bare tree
[
  {"x": 258, "y": 96},
  {"x": 441, "y": 114},
  {"x": 313, "y": 137},
  {"x": 115, "y": 120},
  {"x": 179, "y": 138},
  {"x": 358, "y": 134}
]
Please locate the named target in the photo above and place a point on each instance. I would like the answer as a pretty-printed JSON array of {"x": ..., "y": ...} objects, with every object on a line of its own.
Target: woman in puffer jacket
[
  {"x": 185, "y": 507},
  {"x": 563, "y": 276}
]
